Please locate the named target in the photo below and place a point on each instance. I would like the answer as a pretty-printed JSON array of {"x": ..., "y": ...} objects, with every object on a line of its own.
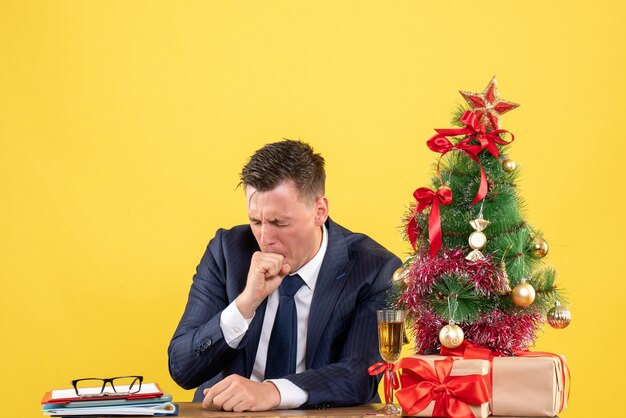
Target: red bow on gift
[
  {"x": 452, "y": 394},
  {"x": 426, "y": 197},
  {"x": 469, "y": 351}
]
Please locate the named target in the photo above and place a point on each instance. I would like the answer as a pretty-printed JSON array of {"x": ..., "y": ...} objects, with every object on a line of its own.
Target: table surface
[
  {"x": 189, "y": 410},
  {"x": 193, "y": 410}
]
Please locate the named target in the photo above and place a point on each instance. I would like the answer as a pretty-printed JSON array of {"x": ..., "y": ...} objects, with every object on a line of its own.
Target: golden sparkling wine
[{"x": 390, "y": 340}]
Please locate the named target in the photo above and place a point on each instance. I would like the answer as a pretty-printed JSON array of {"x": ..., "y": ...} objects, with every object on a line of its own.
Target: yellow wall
[{"x": 123, "y": 126}]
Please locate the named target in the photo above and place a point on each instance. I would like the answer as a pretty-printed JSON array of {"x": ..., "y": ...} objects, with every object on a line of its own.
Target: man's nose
[{"x": 268, "y": 236}]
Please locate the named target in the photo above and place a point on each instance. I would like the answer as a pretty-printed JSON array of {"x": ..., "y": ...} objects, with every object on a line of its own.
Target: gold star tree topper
[{"x": 488, "y": 106}]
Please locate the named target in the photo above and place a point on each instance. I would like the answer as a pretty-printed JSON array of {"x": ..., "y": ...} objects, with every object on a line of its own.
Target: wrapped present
[
  {"x": 443, "y": 386},
  {"x": 540, "y": 377}
]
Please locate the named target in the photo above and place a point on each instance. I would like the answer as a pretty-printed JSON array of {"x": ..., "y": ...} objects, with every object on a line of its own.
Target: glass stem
[{"x": 389, "y": 383}]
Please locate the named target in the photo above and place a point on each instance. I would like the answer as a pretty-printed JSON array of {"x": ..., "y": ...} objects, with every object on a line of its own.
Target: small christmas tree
[{"x": 477, "y": 270}]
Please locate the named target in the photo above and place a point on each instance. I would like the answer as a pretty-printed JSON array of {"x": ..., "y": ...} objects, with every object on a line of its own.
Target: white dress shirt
[{"x": 234, "y": 326}]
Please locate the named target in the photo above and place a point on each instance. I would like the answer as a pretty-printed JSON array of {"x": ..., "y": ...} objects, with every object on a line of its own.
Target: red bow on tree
[
  {"x": 452, "y": 394},
  {"x": 426, "y": 197},
  {"x": 439, "y": 143},
  {"x": 473, "y": 129}
]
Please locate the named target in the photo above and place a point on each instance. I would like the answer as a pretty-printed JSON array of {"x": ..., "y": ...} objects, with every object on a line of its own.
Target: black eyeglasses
[{"x": 97, "y": 386}]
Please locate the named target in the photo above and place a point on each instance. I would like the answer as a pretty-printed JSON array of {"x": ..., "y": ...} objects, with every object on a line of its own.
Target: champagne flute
[{"x": 390, "y": 338}]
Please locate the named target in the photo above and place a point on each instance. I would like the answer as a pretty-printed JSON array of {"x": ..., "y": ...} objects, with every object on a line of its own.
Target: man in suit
[{"x": 318, "y": 356}]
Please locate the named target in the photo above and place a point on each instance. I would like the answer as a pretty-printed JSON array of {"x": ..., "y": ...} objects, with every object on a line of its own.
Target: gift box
[
  {"x": 529, "y": 385},
  {"x": 442, "y": 386}
]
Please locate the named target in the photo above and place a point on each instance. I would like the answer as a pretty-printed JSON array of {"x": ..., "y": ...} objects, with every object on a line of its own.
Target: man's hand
[
  {"x": 265, "y": 275},
  {"x": 236, "y": 393}
]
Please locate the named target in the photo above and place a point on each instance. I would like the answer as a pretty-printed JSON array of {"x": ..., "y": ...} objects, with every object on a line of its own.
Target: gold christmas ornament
[
  {"x": 451, "y": 335},
  {"x": 509, "y": 165},
  {"x": 523, "y": 293},
  {"x": 559, "y": 316},
  {"x": 539, "y": 247},
  {"x": 477, "y": 239},
  {"x": 400, "y": 275}
]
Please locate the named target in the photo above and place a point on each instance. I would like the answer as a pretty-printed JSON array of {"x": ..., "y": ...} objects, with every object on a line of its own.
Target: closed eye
[{"x": 279, "y": 224}]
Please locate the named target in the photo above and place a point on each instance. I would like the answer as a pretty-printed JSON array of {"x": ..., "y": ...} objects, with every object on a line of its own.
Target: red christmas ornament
[{"x": 488, "y": 106}]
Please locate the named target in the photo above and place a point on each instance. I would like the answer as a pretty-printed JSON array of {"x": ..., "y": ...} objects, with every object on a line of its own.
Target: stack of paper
[{"x": 150, "y": 401}]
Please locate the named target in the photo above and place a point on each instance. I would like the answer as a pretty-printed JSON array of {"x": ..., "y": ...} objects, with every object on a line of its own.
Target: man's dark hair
[{"x": 283, "y": 161}]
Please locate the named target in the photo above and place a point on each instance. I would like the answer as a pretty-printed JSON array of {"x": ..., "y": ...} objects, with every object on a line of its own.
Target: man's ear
[{"x": 321, "y": 210}]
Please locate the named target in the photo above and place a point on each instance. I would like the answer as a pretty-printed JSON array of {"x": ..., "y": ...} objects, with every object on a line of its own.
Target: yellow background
[{"x": 124, "y": 124}]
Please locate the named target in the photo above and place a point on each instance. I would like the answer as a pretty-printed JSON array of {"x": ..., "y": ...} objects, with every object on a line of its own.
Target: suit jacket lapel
[{"x": 330, "y": 283}]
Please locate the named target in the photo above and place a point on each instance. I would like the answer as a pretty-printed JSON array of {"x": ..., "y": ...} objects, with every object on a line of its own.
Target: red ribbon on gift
[
  {"x": 425, "y": 198},
  {"x": 473, "y": 129},
  {"x": 390, "y": 379},
  {"x": 470, "y": 351},
  {"x": 452, "y": 394}
]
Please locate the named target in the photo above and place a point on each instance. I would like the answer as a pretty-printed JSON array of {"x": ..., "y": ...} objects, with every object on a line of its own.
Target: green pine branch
[{"x": 454, "y": 298}]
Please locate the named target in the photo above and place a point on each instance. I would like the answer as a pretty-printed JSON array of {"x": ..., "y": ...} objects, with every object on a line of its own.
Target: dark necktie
[{"x": 281, "y": 351}]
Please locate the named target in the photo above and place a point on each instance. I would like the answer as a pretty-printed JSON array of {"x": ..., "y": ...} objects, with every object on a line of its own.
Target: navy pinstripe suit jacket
[{"x": 353, "y": 283}]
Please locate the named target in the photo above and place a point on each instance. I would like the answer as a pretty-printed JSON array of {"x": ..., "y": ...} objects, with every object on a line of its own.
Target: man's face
[{"x": 284, "y": 224}]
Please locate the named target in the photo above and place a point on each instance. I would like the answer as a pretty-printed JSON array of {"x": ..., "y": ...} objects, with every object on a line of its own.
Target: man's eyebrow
[{"x": 270, "y": 220}]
